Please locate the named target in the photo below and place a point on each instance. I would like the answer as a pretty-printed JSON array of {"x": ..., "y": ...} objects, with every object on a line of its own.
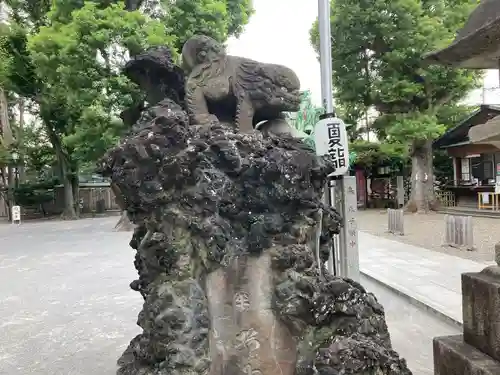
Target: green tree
[
  {"x": 77, "y": 61},
  {"x": 39, "y": 156},
  {"x": 371, "y": 154},
  {"x": 218, "y": 19},
  {"x": 377, "y": 63},
  {"x": 307, "y": 115},
  {"x": 67, "y": 59}
]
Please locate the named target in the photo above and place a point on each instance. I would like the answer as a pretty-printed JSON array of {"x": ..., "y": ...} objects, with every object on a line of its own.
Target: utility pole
[{"x": 341, "y": 192}]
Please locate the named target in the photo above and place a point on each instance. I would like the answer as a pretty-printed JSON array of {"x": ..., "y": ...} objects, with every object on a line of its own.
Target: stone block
[
  {"x": 452, "y": 356},
  {"x": 481, "y": 310}
]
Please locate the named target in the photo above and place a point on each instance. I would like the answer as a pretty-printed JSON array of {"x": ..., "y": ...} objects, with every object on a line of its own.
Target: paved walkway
[
  {"x": 411, "y": 327},
  {"x": 425, "y": 277},
  {"x": 65, "y": 304},
  {"x": 66, "y": 307}
]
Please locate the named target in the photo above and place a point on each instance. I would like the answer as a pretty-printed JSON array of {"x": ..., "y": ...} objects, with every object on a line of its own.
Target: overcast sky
[{"x": 278, "y": 33}]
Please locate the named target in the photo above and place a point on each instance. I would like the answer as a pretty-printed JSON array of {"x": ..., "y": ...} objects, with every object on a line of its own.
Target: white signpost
[
  {"x": 330, "y": 138},
  {"x": 16, "y": 214},
  {"x": 342, "y": 192}
]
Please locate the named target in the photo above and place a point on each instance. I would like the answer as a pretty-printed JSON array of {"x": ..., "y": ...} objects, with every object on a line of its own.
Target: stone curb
[{"x": 413, "y": 299}]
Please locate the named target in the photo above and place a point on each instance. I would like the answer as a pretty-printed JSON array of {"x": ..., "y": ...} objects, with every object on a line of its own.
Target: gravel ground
[{"x": 427, "y": 230}]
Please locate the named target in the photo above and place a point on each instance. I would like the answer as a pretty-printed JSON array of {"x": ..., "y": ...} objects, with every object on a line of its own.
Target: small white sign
[
  {"x": 330, "y": 138},
  {"x": 486, "y": 198},
  {"x": 16, "y": 214}
]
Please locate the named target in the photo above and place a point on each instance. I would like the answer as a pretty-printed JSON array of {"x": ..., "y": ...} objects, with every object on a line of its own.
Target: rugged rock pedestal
[
  {"x": 224, "y": 222},
  {"x": 477, "y": 351}
]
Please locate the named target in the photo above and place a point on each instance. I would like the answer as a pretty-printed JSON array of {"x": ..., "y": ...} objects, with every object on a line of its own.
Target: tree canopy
[
  {"x": 377, "y": 50},
  {"x": 64, "y": 58}
]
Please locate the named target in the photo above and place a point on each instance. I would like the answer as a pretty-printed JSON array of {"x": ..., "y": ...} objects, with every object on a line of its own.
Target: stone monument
[
  {"x": 225, "y": 217},
  {"x": 477, "y": 350}
]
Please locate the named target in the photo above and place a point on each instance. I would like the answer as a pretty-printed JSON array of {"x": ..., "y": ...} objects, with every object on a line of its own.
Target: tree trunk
[
  {"x": 124, "y": 224},
  {"x": 75, "y": 186},
  {"x": 422, "y": 198},
  {"x": 5, "y": 129},
  {"x": 63, "y": 161},
  {"x": 20, "y": 142},
  {"x": 69, "y": 212},
  {"x": 9, "y": 201}
]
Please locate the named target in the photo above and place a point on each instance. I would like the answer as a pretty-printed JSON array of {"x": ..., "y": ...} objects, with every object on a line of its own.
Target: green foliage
[
  {"x": 415, "y": 126},
  {"x": 4, "y": 155},
  {"x": 451, "y": 115},
  {"x": 80, "y": 62},
  {"x": 377, "y": 62},
  {"x": 308, "y": 114},
  {"x": 65, "y": 58},
  {"x": 6, "y": 59},
  {"x": 17, "y": 73},
  {"x": 29, "y": 13},
  {"x": 443, "y": 167},
  {"x": 370, "y": 154},
  {"x": 37, "y": 152},
  {"x": 239, "y": 12},
  {"x": 216, "y": 18},
  {"x": 34, "y": 193},
  {"x": 96, "y": 132}
]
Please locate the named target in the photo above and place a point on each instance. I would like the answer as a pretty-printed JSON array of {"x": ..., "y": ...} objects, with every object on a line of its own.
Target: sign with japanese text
[
  {"x": 330, "y": 138},
  {"x": 16, "y": 214}
]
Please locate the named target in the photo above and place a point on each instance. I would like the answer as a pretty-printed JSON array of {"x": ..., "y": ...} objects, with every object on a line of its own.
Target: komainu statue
[
  {"x": 224, "y": 221},
  {"x": 257, "y": 91}
]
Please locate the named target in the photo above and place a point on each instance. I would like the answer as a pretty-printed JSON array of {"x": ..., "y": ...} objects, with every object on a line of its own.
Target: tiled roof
[{"x": 477, "y": 43}]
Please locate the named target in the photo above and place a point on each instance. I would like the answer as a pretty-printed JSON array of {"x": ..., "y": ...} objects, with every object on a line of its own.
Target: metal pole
[
  {"x": 325, "y": 54},
  {"x": 347, "y": 260},
  {"x": 332, "y": 264}
]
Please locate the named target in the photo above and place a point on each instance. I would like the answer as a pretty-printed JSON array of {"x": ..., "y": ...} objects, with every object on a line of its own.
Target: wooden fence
[
  {"x": 91, "y": 200},
  {"x": 446, "y": 198}
]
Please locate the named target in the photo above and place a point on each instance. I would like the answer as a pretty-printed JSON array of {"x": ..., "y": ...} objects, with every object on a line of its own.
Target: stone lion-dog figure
[{"x": 259, "y": 91}]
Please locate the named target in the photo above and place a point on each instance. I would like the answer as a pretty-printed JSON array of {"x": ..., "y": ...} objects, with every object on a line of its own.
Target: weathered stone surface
[
  {"x": 174, "y": 316},
  {"x": 341, "y": 326},
  {"x": 225, "y": 221},
  {"x": 247, "y": 337},
  {"x": 247, "y": 90},
  {"x": 452, "y": 356},
  {"x": 155, "y": 72},
  {"x": 481, "y": 310}
]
